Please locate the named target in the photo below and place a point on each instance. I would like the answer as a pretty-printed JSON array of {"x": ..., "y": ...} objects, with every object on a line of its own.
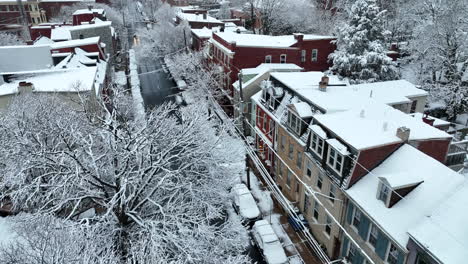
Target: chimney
[
  {"x": 90, "y": 7},
  {"x": 428, "y": 120},
  {"x": 222, "y": 28},
  {"x": 299, "y": 37},
  {"x": 323, "y": 83},
  {"x": 52, "y": 26},
  {"x": 25, "y": 87},
  {"x": 205, "y": 16},
  {"x": 403, "y": 133},
  {"x": 95, "y": 14}
]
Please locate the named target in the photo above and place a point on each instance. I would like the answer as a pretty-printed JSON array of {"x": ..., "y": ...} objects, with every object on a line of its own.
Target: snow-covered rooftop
[
  {"x": 439, "y": 182},
  {"x": 88, "y": 26},
  {"x": 444, "y": 231},
  {"x": 375, "y": 124},
  {"x": 62, "y": 80},
  {"x": 25, "y": 58},
  {"x": 198, "y": 18},
  {"x": 87, "y": 11},
  {"x": 264, "y": 68},
  {"x": 340, "y": 98},
  {"x": 75, "y": 43},
  {"x": 437, "y": 121},
  {"x": 203, "y": 32},
  {"x": 43, "y": 40},
  {"x": 61, "y": 33},
  {"x": 256, "y": 40},
  {"x": 303, "y": 109}
]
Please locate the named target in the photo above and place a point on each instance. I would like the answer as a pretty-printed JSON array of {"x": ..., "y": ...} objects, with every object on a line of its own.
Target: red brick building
[
  {"x": 238, "y": 51},
  {"x": 86, "y": 15},
  {"x": 10, "y": 12}
]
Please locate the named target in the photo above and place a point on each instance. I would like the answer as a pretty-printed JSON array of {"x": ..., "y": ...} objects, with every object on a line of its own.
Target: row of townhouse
[{"x": 363, "y": 156}]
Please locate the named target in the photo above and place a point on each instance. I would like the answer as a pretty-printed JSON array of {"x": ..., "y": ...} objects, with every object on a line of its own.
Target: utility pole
[
  {"x": 242, "y": 117},
  {"x": 24, "y": 20}
]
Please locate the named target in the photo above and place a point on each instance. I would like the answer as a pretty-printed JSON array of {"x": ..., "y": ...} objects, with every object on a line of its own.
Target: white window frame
[
  {"x": 289, "y": 179},
  {"x": 383, "y": 186},
  {"x": 309, "y": 168},
  {"x": 320, "y": 179},
  {"x": 331, "y": 193},
  {"x": 314, "y": 55},
  {"x": 271, "y": 102},
  {"x": 388, "y": 253},
  {"x": 316, "y": 209},
  {"x": 268, "y": 59},
  {"x": 285, "y": 58},
  {"x": 303, "y": 55},
  {"x": 372, "y": 227},
  {"x": 351, "y": 244},
  {"x": 355, "y": 211},
  {"x": 318, "y": 139},
  {"x": 271, "y": 126},
  {"x": 264, "y": 121},
  {"x": 296, "y": 127},
  {"x": 335, "y": 160}
]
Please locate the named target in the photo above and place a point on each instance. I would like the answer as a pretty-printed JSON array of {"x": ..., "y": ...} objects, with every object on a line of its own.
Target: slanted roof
[
  {"x": 25, "y": 58},
  {"x": 402, "y": 180},
  {"x": 303, "y": 109},
  {"x": 43, "y": 40},
  {"x": 444, "y": 231},
  {"x": 203, "y": 32},
  {"x": 375, "y": 124},
  {"x": 439, "y": 183},
  {"x": 75, "y": 43},
  {"x": 252, "y": 74},
  {"x": 60, "y": 33}
]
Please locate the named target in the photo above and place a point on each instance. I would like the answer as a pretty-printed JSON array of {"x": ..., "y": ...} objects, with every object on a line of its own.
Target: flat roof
[
  {"x": 198, "y": 18},
  {"x": 256, "y": 40},
  {"x": 375, "y": 124}
]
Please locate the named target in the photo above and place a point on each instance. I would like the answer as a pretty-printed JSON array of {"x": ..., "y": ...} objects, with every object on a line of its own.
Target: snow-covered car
[
  {"x": 244, "y": 203},
  {"x": 268, "y": 242}
]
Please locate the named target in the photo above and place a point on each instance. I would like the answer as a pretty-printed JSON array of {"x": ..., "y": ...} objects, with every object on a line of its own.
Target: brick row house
[
  {"x": 336, "y": 143},
  {"x": 10, "y": 12},
  {"x": 238, "y": 51}
]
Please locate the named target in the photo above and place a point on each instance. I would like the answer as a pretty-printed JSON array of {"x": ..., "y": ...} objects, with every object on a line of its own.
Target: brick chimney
[
  {"x": 299, "y": 37},
  {"x": 25, "y": 87},
  {"x": 324, "y": 83},
  {"x": 428, "y": 120},
  {"x": 403, "y": 133}
]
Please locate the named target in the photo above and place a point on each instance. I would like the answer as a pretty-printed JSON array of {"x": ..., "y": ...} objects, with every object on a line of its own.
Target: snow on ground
[
  {"x": 136, "y": 91},
  {"x": 120, "y": 78}
]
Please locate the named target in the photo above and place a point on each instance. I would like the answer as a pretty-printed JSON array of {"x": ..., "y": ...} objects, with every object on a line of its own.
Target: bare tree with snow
[
  {"x": 7, "y": 39},
  {"x": 159, "y": 190}
]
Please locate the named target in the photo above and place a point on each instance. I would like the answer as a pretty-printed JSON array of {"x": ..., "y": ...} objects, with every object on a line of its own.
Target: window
[
  {"x": 303, "y": 55},
  {"x": 335, "y": 160},
  {"x": 297, "y": 187},
  {"x": 314, "y": 55},
  {"x": 384, "y": 193},
  {"x": 392, "y": 257},
  {"x": 288, "y": 179},
  {"x": 413, "y": 106},
  {"x": 280, "y": 169},
  {"x": 351, "y": 256},
  {"x": 320, "y": 181},
  {"x": 271, "y": 128},
  {"x": 317, "y": 144},
  {"x": 309, "y": 169},
  {"x": 268, "y": 59},
  {"x": 356, "y": 218},
  {"x": 373, "y": 233},
  {"x": 306, "y": 203},
  {"x": 265, "y": 122},
  {"x": 299, "y": 159},
  {"x": 316, "y": 210},
  {"x": 283, "y": 142},
  {"x": 328, "y": 226},
  {"x": 294, "y": 123},
  {"x": 283, "y": 58},
  {"x": 332, "y": 192},
  {"x": 291, "y": 151}
]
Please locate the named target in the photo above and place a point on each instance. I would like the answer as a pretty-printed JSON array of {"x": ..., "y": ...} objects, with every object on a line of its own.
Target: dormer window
[
  {"x": 336, "y": 153},
  {"x": 384, "y": 193},
  {"x": 294, "y": 123},
  {"x": 318, "y": 137}
]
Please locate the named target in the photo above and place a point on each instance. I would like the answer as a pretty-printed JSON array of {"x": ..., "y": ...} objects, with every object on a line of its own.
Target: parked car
[
  {"x": 268, "y": 242},
  {"x": 244, "y": 203}
]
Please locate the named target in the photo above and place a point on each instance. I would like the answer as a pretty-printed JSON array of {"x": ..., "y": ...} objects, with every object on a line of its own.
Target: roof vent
[{"x": 362, "y": 114}]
